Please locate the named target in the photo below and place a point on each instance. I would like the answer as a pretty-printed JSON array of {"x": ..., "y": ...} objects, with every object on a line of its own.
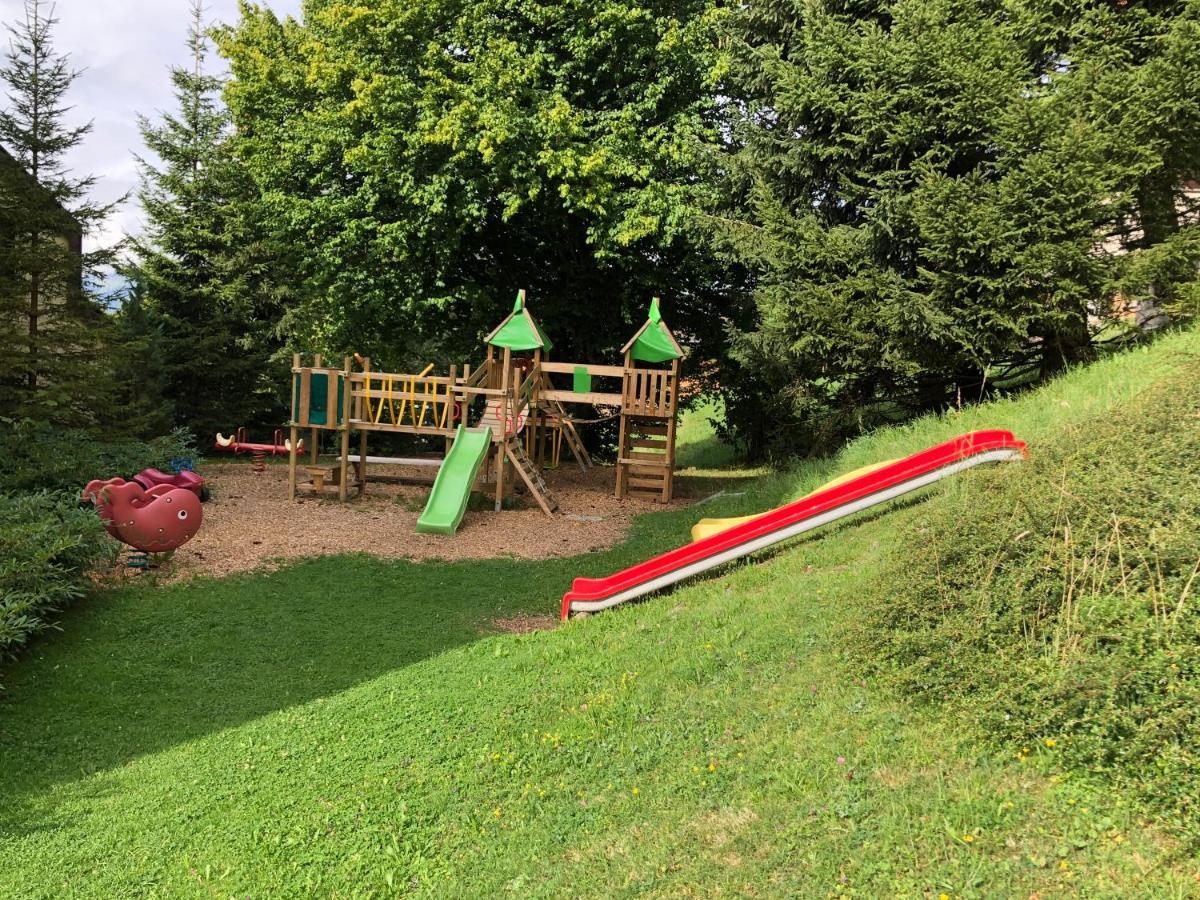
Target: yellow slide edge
[{"x": 708, "y": 527}]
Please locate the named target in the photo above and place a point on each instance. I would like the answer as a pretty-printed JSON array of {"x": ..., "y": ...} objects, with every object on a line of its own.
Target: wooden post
[
  {"x": 364, "y": 414},
  {"x": 622, "y": 468},
  {"x": 304, "y": 375},
  {"x": 344, "y": 462},
  {"x": 294, "y": 435},
  {"x": 450, "y": 398},
  {"x": 315, "y": 439},
  {"x": 503, "y": 409},
  {"x": 673, "y": 410}
]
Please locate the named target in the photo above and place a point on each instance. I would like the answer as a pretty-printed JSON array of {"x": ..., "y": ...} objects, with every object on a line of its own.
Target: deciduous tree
[{"x": 433, "y": 157}]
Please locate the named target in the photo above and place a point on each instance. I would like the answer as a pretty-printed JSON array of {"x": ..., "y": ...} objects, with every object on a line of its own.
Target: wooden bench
[
  {"x": 358, "y": 461},
  {"x": 318, "y": 475}
]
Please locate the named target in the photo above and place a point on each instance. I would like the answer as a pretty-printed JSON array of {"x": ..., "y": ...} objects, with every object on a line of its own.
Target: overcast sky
[{"x": 125, "y": 48}]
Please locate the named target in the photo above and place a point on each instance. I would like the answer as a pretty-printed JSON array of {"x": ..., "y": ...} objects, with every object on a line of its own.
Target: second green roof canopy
[{"x": 654, "y": 341}]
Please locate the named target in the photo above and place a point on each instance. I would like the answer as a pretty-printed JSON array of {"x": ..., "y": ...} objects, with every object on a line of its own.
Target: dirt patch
[
  {"x": 720, "y": 827},
  {"x": 524, "y": 623},
  {"x": 250, "y": 524}
]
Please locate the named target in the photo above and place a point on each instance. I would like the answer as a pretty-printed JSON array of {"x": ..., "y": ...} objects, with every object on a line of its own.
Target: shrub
[
  {"x": 1058, "y": 602},
  {"x": 39, "y": 457},
  {"x": 47, "y": 545}
]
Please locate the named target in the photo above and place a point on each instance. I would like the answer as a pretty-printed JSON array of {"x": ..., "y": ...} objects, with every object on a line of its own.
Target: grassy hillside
[
  {"x": 353, "y": 727},
  {"x": 1060, "y": 604}
]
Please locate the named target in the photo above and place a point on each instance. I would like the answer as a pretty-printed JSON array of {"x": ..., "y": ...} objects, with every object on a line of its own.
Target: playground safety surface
[{"x": 249, "y": 524}]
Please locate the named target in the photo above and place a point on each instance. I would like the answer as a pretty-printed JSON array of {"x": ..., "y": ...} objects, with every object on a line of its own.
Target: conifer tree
[
  {"x": 139, "y": 365},
  {"x": 926, "y": 190},
  {"x": 201, "y": 264},
  {"x": 51, "y": 327}
]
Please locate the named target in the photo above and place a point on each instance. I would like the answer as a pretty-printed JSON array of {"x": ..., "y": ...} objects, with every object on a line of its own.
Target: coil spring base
[{"x": 258, "y": 462}]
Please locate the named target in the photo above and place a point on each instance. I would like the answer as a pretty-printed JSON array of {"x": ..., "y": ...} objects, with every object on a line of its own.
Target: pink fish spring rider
[{"x": 159, "y": 520}]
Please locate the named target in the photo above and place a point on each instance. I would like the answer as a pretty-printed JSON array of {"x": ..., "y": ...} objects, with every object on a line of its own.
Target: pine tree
[
  {"x": 202, "y": 265},
  {"x": 51, "y": 329},
  {"x": 923, "y": 188},
  {"x": 140, "y": 370}
]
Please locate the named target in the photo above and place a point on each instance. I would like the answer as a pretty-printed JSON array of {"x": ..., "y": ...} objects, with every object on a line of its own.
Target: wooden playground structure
[{"x": 517, "y": 393}]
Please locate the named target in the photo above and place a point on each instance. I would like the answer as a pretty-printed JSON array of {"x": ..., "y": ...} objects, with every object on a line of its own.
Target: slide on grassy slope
[
  {"x": 810, "y": 512},
  {"x": 455, "y": 478},
  {"x": 708, "y": 527}
]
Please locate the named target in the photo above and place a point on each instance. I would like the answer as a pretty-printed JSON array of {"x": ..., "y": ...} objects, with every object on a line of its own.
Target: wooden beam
[
  {"x": 589, "y": 397},
  {"x": 565, "y": 368},
  {"x": 395, "y": 460},
  {"x": 361, "y": 425}
]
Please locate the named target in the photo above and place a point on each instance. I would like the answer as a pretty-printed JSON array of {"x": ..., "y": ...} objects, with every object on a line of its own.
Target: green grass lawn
[
  {"x": 697, "y": 446},
  {"x": 355, "y": 727}
]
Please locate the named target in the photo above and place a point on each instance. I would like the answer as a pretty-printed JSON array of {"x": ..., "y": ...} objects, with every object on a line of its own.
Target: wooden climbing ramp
[{"x": 514, "y": 448}]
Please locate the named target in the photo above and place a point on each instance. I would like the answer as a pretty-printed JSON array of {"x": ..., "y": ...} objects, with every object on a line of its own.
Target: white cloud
[{"x": 125, "y": 48}]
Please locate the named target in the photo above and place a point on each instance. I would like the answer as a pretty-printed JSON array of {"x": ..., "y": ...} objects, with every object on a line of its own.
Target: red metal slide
[{"x": 901, "y": 477}]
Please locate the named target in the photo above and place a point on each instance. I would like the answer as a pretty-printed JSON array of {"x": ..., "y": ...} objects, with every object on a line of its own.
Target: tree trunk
[
  {"x": 35, "y": 286},
  {"x": 1159, "y": 220},
  {"x": 1066, "y": 346}
]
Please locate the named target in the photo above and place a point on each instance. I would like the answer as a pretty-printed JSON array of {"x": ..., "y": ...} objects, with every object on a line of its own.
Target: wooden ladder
[
  {"x": 571, "y": 436},
  {"x": 514, "y": 447},
  {"x": 646, "y": 465}
]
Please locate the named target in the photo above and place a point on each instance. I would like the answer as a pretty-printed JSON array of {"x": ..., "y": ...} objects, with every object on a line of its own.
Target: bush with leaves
[
  {"x": 35, "y": 456},
  {"x": 48, "y": 542}
]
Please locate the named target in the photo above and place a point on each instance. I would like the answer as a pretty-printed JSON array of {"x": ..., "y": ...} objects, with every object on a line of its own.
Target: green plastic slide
[{"x": 456, "y": 477}]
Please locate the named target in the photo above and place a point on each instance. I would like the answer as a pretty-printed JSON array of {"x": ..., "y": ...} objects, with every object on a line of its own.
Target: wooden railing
[
  {"x": 477, "y": 377},
  {"x": 422, "y": 404},
  {"x": 525, "y": 392},
  {"x": 648, "y": 392}
]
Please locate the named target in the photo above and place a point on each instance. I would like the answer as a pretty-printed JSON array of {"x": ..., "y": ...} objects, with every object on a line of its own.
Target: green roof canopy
[
  {"x": 654, "y": 341},
  {"x": 519, "y": 331}
]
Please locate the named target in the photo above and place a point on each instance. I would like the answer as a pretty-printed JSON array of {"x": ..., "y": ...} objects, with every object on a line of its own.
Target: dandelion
[
  {"x": 1050, "y": 742},
  {"x": 1064, "y": 865},
  {"x": 943, "y": 897},
  {"x": 496, "y": 812},
  {"x": 712, "y": 767},
  {"x": 636, "y": 792},
  {"x": 968, "y": 838}
]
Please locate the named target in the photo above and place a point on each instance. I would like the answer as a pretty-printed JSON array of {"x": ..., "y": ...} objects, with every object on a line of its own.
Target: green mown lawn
[{"x": 353, "y": 727}]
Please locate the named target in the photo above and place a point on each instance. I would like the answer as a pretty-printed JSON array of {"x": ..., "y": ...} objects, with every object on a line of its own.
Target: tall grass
[{"x": 1058, "y": 603}]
